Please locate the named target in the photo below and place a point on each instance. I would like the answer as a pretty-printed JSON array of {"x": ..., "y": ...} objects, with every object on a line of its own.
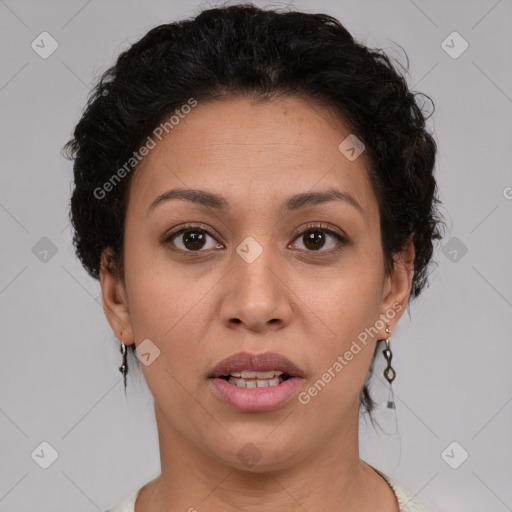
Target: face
[{"x": 265, "y": 273}]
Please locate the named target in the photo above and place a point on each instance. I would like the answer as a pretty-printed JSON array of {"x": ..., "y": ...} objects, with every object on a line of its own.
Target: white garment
[{"x": 406, "y": 500}]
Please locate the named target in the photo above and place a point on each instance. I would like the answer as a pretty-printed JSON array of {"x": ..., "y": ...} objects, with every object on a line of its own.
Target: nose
[{"x": 256, "y": 294}]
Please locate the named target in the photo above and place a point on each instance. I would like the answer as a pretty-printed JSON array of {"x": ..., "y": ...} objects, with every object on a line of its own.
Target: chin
[{"x": 259, "y": 454}]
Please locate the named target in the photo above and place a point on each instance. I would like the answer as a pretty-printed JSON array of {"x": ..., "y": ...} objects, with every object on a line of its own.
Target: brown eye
[
  {"x": 315, "y": 238},
  {"x": 194, "y": 240},
  {"x": 191, "y": 239}
]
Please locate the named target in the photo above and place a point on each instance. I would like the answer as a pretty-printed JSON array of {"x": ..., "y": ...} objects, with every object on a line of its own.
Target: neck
[{"x": 331, "y": 477}]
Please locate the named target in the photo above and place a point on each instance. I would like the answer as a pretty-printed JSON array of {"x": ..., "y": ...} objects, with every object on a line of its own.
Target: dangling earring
[
  {"x": 124, "y": 366},
  {"x": 389, "y": 372}
]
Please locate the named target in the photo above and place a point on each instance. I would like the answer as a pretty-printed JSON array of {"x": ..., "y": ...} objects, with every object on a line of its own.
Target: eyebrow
[{"x": 218, "y": 202}]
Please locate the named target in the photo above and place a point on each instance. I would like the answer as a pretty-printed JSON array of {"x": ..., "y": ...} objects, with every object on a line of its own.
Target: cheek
[
  {"x": 342, "y": 359},
  {"x": 159, "y": 294},
  {"x": 164, "y": 310},
  {"x": 171, "y": 310},
  {"x": 351, "y": 300},
  {"x": 349, "y": 307}
]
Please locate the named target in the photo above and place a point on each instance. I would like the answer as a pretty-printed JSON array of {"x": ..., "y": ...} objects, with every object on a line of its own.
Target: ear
[
  {"x": 397, "y": 286},
  {"x": 115, "y": 302}
]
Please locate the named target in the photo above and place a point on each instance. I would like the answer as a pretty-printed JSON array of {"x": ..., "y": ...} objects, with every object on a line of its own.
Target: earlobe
[{"x": 115, "y": 303}]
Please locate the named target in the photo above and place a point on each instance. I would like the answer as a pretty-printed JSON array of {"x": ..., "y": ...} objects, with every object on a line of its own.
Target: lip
[
  {"x": 256, "y": 399},
  {"x": 256, "y": 362}
]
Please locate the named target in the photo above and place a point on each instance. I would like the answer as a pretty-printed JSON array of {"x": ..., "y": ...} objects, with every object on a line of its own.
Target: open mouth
[
  {"x": 256, "y": 382},
  {"x": 253, "y": 379}
]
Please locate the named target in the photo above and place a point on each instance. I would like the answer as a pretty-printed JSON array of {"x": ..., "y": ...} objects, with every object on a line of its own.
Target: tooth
[
  {"x": 255, "y": 383},
  {"x": 249, "y": 374},
  {"x": 265, "y": 375},
  {"x": 268, "y": 382}
]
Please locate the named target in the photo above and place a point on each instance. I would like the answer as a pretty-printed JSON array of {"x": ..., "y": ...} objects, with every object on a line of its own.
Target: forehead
[{"x": 253, "y": 153}]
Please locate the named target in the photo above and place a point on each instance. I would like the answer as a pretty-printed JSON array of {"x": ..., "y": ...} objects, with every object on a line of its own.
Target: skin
[{"x": 294, "y": 300}]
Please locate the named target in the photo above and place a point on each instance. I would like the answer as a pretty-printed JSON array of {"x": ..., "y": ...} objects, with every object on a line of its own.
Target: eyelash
[{"x": 320, "y": 227}]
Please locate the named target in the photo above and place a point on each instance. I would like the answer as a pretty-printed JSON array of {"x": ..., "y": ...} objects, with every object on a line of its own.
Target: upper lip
[{"x": 256, "y": 362}]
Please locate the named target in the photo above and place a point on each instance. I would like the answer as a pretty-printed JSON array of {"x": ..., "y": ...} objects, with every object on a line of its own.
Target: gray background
[{"x": 59, "y": 377}]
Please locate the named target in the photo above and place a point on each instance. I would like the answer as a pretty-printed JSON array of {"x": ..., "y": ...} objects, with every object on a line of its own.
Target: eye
[
  {"x": 193, "y": 238},
  {"x": 315, "y": 236}
]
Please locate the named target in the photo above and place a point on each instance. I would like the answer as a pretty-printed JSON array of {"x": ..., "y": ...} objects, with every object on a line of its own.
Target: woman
[{"x": 254, "y": 190}]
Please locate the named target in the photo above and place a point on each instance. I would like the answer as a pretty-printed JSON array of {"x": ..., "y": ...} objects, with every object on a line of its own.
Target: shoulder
[
  {"x": 406, "y": 501},
  {"x": 127, "y": 505}
]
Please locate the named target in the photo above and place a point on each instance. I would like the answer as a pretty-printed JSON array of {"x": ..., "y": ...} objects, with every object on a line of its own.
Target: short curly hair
[{"x": 256, "y": 53}]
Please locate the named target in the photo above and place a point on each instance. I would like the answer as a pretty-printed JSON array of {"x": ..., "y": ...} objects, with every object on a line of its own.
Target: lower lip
[{"x": 256, "y": 399}]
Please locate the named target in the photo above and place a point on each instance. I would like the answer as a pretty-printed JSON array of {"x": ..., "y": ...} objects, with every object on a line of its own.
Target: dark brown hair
[{"x": 258, "y": 53}]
